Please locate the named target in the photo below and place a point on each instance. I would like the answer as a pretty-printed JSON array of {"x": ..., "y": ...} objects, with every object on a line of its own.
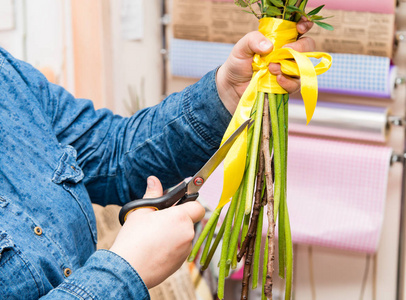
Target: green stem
[
  {"x": 284, "y": 10},
  {"x": 212, "y": 222},
  {"x": 255, "y": 266},
  {"x": 289, "y": 255},
  {"x": 281, "y": 220},
  {"x": 234, "y": 261},
  {"x": 237, "y": 225},
  {"x": 254, "y": 153},
  {"x": 288, "y": 234},
  {"x": 208, "y": 242},
  {"x": 302, "y": 7},
  {"x": 224, "y": 266},
  {"x": 215, "y": 245},
  {"x": 241, "y": 205}
]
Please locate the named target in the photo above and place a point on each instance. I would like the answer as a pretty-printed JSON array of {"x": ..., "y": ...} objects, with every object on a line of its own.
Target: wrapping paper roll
[
  {"x": 336, "y": 192},
  {"x": 358, "y": 32},
  {"x": 375, "y": 6},
  {"x": 338, "y": 120},
  {"x": 195, "y": 58},
  {"x": 360, "y": 75}
]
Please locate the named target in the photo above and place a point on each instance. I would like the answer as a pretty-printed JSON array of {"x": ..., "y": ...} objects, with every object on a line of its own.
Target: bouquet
[{"x": 255, "y": 168}]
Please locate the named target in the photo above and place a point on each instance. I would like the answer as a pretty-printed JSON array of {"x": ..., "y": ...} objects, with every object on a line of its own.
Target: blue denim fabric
[{"x": 58, "y": 154}]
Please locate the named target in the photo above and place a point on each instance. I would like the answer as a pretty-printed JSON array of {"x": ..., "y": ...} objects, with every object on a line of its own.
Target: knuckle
[
  {"x": 189, "y": 234},
  {"x": 307, "y": 44}
]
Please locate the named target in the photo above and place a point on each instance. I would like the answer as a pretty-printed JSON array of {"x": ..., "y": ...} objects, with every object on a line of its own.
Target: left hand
[{"x": 235, "y": 74}]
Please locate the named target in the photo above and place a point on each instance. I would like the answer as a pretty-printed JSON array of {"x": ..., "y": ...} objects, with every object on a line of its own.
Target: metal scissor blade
[{"x": 203, "y": 174}]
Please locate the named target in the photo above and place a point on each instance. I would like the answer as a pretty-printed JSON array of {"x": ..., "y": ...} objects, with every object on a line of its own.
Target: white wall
[
  {"x": 42, "y": 36},
  {"x": 137, "y": 64}
]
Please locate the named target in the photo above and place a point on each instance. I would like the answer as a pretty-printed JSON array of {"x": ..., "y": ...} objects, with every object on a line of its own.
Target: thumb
[
  {"x": 154, "y": 188},
  {"x": 252, "y": 43}
]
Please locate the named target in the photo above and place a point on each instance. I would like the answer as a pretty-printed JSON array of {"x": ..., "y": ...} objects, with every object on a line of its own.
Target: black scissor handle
[{"x": 178, "y": 194}]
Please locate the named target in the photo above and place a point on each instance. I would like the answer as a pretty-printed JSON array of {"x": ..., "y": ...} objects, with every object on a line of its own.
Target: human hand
[
  {"x": 156, "y": 243},
  {"x": 235, "y": 74}
]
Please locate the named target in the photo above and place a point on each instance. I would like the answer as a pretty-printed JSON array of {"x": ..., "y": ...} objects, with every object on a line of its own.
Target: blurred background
[{"x": 346, "y": 188}]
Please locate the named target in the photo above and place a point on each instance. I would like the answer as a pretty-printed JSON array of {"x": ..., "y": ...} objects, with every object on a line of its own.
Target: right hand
[
  {"x": 157, "y": 243},
  {"x": 235, "y": 74}
]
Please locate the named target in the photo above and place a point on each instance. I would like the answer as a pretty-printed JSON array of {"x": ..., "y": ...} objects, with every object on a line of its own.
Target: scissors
[{"x": 185, "y": 191}]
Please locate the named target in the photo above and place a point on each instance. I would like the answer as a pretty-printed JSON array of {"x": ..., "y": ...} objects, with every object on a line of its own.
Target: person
[{"x": 58, "y": 154}]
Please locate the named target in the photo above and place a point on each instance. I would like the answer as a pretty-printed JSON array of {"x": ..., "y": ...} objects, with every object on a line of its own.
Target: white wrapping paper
[{"x": 356, "y": 122}]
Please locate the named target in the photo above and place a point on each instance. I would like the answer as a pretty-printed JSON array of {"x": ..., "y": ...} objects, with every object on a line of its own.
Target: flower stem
[
  {"x": 214, "y": 246},
  {"x": 255, "y": 266},
  {"x": 282, "y": 178},
  {"x": 212, "y": 222},
  {"x": 254, "y": 153},
  {"x": 270, "y": 248},
  {"x": 237, "y": 224},
  {"x": 224, "y": 266},
  {"x": 277, "y": 150},
  {"x": 208, "y": 242}
]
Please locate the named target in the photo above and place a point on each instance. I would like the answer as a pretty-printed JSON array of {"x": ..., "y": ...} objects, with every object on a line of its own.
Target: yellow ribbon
[{"x": 279, "y": 32}]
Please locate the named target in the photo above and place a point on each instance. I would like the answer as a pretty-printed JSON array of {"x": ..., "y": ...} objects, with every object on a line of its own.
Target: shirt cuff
[
  {"x": 205, "y": 111},
  {"x": 106, "y": 275}
]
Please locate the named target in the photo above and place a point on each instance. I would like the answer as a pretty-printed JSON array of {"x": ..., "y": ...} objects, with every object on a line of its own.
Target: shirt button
[
  {"x": 38, "y": 230},
  {"x": 67, "y": 272}
]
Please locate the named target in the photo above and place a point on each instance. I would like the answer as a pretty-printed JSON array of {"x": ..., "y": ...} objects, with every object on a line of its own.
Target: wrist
[{"x": 226, "y": 91}]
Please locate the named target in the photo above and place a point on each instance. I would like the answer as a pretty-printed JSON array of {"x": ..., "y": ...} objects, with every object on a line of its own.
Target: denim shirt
[{"x": 58, "y": 154}]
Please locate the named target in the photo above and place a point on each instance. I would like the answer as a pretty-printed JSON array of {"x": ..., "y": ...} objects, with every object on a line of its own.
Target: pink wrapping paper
[
  {"x": 374, "y": 6},
  {"x": 336, "y": 192}
]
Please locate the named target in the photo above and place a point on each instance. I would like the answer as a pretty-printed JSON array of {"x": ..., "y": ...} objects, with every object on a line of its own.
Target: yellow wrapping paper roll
[{"x": 279, "y": 32}]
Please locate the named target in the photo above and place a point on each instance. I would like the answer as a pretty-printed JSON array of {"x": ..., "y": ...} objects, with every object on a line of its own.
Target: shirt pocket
[
  {"x": 70, "y": 175},
  {"x": 17, "y": 275}
]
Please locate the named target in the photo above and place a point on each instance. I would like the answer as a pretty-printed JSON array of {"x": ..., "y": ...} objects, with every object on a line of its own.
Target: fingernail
[
  {"x": 302, "y": 27},
  {"x": 150, "y": 183},
  {"x": 265, "y": 45}
]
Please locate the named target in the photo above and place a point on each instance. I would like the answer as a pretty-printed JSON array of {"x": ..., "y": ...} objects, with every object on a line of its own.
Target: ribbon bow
[{"x": 293, "y": 63}]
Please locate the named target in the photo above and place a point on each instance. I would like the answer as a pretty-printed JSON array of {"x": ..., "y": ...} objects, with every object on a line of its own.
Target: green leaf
[
  {"x": 315, "y": 11},
  {"x": 292, "y": 2},
  {"x": 291, "y": 8},
  {"x": 241, "y": 3},
  {"x": 277, "y": 3},
  {"x": 273, "y": 11},
  {"x": 319, "y": 18},
  {"x": 324, "y": 25}
]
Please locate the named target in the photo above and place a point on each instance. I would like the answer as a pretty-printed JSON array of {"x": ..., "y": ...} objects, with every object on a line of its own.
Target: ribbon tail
[
  {"x": 309, "y": 86},
  {"x": 234, "y": 166}
]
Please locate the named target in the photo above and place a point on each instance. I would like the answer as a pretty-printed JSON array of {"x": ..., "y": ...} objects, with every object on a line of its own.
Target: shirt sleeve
[
  {"x": 171, "y": 140},
  {"x": 104, "y": 276}
]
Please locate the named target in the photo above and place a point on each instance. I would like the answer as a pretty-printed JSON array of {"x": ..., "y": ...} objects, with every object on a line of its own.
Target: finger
[
  {"x": 304, "y": 25},
  {"x": 252, "y": 43},
  {"x": 194, "y": 210},
  {"x": 154, "y": 188},
  {"x": 138, "y": 212},
  {"x": 302, "y": 45},
  {"x": 290, "y": 84},
  {"x": 275, "y": 69}
]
